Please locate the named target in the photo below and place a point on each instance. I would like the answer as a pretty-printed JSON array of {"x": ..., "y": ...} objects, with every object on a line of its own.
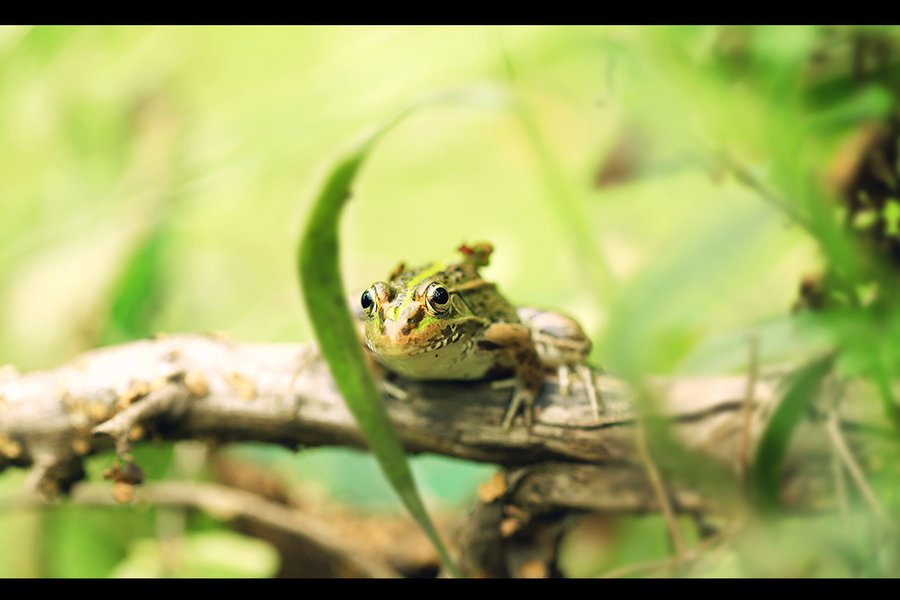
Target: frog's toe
[
  {"x": 394, "y": 391},
  {"x": 523, "y": 398},
  {"x": 590, "y": 385},
  {"x": 562, "y": 372}
]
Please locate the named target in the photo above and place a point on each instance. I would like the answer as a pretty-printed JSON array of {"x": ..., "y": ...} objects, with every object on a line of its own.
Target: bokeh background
[{"x": 157, "y": 178}]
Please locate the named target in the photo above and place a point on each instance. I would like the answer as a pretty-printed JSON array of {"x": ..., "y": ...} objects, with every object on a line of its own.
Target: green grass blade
[
  {"x": 323, "y": 292},
  {"x": 564, "y": 202},
  {"x": 802, "y": 389},
  {"x": 137, "y": 294}
]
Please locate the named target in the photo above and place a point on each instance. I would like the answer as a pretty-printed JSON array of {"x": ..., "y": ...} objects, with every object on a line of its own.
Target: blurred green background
[{"x": 156, "y": 179}]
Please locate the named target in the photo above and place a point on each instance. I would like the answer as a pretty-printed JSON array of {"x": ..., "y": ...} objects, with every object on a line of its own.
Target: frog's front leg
[{"x": 516, "y": 339}]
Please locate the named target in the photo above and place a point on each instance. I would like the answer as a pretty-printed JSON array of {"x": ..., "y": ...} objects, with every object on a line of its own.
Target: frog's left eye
[
  {"x": 367, "y": 301},
  {"x": 438, "y": 297}
]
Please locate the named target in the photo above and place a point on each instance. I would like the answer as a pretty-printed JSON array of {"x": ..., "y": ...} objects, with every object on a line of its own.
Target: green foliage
[
  {"x": 638, "y": 539},
  {"x": 669, "y": 186},
  {"x": 139, "y": 290},
  {"x": 801, "y": 391},
  {"x": 209, "y": 554}
]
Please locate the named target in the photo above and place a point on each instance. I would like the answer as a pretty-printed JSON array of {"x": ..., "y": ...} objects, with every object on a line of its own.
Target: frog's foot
[
  {"x": 523, "y": 398},
  {"x": 590, "y": 384},
  {"x": 583, "y": 373},
  {"x": 502, "y": 384},
  {"x": 562, "y": 371},
  {"x": 393, "y": 390}
]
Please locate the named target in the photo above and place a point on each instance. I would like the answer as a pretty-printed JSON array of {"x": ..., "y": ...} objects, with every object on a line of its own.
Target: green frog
[{"x": 444, "y": 322}]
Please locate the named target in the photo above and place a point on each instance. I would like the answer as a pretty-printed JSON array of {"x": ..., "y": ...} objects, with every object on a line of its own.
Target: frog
[{"x": 443, "y": 321}]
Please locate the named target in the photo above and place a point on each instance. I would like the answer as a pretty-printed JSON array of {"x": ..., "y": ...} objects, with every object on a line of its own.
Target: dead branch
[
  {"x": 202, "y": 388},
  {"x": 225, "y": 503},
  {"x": 195, "y": 387}
]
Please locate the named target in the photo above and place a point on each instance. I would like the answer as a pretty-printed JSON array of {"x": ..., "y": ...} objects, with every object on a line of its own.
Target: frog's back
[
  {"x": 486, "y": 302},
  {"x": 481, "y": 297}
]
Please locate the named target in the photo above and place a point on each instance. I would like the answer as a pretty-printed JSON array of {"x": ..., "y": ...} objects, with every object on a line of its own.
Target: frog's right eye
[
  {"x": 438, "y": 297},
  {"x": 367, "y": 301}
]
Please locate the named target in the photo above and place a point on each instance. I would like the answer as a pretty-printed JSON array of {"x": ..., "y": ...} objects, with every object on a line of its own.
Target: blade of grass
[
  {"x": 138, "y": 291},
  {"x": 323, "y": 292},
  {"x": 564, "y": 202},
  {"x": 881, "y": 377},
  {"x": 801, "y": 390}
]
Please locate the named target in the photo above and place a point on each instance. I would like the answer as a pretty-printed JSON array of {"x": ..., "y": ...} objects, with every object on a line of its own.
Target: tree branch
[
  {"x": 226, "y": 503},
  {"x": 203, "y": 388},
  {"x": 194, "y": 387}
]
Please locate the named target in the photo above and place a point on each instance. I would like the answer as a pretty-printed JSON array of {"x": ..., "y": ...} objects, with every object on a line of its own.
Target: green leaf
[
  {"x": 802, "y": 389},
  {"x": 136, "y": 296},
  {"x": 323, "y": 292},
  {"x": 873, "y": 102}
]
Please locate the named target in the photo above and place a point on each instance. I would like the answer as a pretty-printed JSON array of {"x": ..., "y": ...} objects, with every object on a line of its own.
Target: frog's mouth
[
  {"x": 408, "y": 347},
  {"x": 443, "y": 358}
]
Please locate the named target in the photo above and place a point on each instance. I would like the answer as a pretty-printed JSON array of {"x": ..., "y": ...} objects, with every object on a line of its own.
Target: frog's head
[{"x": 414, "y": 315}]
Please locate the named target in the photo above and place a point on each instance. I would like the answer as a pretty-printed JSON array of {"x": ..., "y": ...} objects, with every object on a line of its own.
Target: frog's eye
[
  {"x": 438, "y": 297},
  {"x": 367, "y": 301}
]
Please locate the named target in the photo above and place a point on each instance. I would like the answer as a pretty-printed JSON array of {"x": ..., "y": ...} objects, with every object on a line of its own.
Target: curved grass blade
[
  {"x": 802, "y": 389},
  {"x": 323, "y": 292}
]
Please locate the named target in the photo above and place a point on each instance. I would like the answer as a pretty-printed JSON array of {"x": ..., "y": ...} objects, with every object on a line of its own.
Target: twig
[
  {"x": 743, "y": 453},
  {"x": 832, "y": 426},
  {"x": 743, "y": 175},
  {"x": 157, "y": 402},
  {"x": 694, "y": 554},
  {"x": 840, "y": 484},
  {"x": 224, "y": 503},
  {"x": 659, "y": 489}
]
